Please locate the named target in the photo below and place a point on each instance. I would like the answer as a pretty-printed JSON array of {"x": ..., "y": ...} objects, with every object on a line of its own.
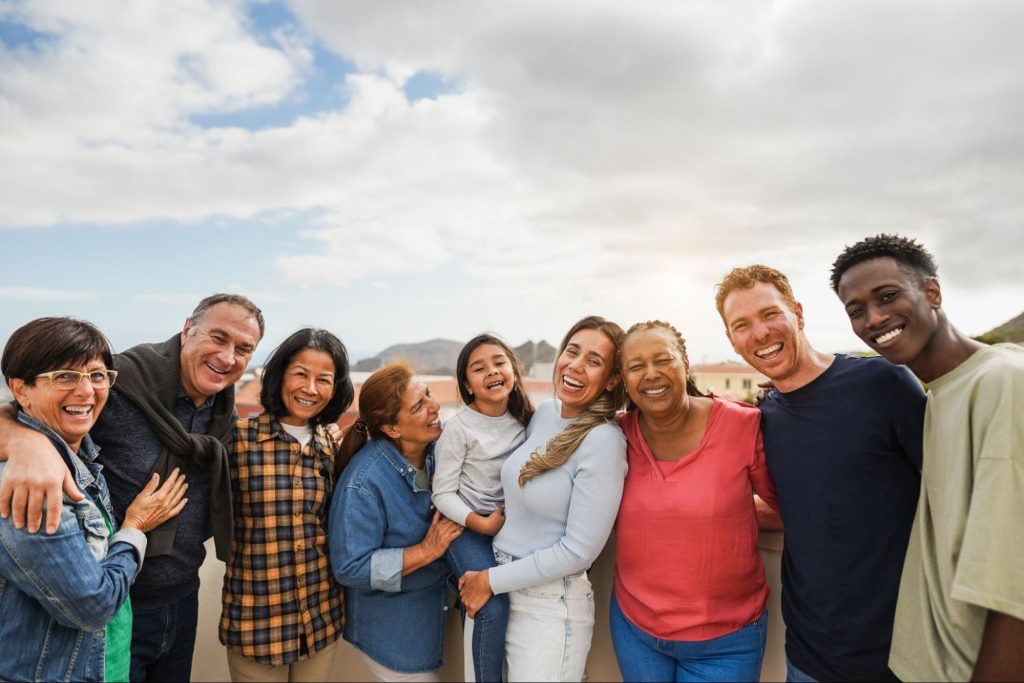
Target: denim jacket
[
  {"x": 376, "y": 512},
  {"x": 57, "y": 592}
]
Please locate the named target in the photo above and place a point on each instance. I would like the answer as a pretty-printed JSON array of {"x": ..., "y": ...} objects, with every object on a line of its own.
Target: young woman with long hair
[{"x": 562, "y": 491}]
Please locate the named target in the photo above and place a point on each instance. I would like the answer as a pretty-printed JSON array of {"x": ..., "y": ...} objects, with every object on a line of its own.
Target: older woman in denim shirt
[
  {"x": 387, "y": 541},
  {"x": 64, "y": 597}
]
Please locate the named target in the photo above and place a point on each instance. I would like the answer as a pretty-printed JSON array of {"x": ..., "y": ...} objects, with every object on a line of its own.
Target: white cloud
[
  {"x": 622, "y": 157},
  {"x": 42, "y": 294}
]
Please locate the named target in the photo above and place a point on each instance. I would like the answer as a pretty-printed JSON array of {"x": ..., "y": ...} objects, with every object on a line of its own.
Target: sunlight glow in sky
[{"x": 402, "y": 171}]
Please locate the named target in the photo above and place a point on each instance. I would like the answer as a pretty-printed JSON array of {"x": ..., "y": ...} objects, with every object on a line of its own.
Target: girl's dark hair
[
  {"x": 380, "y": 400},
  {"x": 680, "y": 344},
  {"x": 603, "y": 410},
  {"x": 519, "y": 404},
  {"x": 46, "y": 344},
  {"x": 281, "y": 357}
]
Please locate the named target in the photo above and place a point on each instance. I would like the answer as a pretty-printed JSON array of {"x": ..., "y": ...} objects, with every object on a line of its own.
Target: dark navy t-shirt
[{"x": 845, "y": 454}]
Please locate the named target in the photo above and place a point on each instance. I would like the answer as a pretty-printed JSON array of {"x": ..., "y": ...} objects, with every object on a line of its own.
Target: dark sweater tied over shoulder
[{"x": 149, "y": 377}]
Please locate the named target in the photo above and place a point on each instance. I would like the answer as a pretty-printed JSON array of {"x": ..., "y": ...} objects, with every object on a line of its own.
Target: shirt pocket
[{"x": 94, "y": 527}]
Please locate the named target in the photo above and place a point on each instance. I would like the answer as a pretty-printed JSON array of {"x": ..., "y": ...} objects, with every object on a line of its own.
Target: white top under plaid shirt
[{"x": 281, "y": 602}]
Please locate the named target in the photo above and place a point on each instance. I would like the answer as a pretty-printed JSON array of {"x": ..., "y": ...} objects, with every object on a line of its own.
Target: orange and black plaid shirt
[{"x": 281, "y": 602}]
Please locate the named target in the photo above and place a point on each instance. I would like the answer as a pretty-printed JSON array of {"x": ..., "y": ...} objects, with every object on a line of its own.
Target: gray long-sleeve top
[
  {"x": 469, "y": 455},
  {"x": 558, "y": 523}
]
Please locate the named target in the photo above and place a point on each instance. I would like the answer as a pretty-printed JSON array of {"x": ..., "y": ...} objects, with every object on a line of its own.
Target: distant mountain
[
  {"x": 433, "y": 357},
  {"x": 535, "y": 352},
  {"x": 1010, "y": 331},
  {"x": 439, "y": 356}
]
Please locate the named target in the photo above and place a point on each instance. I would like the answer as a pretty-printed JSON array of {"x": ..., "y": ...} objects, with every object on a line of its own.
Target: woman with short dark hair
[
  {"x": 64, "y": 596},
  {"x": 282, "y": 611}
]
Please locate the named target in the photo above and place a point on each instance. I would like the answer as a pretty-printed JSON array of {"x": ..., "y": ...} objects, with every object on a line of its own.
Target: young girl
[{"x": 467, "y": 483}]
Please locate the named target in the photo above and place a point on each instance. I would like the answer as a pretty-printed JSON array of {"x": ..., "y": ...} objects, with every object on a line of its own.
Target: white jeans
[
  {"x": 382, "y": 674},
  {"x": 550, "y": 627}
]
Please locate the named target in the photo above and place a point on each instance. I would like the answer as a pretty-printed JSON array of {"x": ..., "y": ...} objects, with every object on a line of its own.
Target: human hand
[
  {"x": 439, "y": 536},
  {"x": 491, "y": 524},
  {"x": 335, "y": 433},
  {"x": 475, "y": 591},
  {"x": 34, "y": 477},
  {"x": 763, "y": 389},
  {"x": 154, "y": 506}
]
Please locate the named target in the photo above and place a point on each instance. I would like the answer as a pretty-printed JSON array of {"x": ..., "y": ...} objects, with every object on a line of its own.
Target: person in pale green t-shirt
[{"x": 960, "y": 612}]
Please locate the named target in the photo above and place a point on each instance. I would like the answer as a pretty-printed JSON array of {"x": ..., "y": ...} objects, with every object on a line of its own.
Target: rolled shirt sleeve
[
  {"x": 386, "y": 569},
  {"x": 356, "y": 531}
]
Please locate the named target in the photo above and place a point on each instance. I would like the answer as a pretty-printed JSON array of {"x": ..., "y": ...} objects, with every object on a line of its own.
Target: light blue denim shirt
[
  {"x": 58, "y": 592},
  {"x": 376, "y": 512}
]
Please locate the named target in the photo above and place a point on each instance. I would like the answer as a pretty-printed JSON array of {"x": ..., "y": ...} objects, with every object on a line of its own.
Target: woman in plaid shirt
[{"x": 282, "y": 612}]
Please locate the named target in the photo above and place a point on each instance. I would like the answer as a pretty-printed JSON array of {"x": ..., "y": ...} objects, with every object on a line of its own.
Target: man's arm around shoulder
[{"x": 35, "y": 475}]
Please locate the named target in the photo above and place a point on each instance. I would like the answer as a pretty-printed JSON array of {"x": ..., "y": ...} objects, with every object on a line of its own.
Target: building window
[{"x": 747, "y": 384}]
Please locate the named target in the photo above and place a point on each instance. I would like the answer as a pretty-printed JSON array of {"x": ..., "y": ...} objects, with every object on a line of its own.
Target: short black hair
[
  {"x": 273, "y": 373},
  {"x": 904, "y": 250},
  {"x": 52, "y": 343}
]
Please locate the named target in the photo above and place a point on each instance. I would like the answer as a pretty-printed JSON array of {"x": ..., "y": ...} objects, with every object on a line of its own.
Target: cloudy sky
[{"x": 402, "y": 171}]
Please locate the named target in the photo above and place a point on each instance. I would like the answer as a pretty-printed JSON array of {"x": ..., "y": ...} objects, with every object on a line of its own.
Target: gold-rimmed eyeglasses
[{"x": 71, "y": 379}]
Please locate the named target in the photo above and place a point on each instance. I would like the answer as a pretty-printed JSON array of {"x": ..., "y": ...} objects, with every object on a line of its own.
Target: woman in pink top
[{"x": 690, "y": 591}]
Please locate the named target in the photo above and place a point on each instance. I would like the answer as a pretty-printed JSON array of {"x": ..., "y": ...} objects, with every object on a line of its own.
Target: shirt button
[{"x": 432, "y": 508}]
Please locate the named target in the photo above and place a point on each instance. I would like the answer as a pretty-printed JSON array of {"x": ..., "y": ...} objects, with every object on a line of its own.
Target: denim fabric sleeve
[
  {"x": 356, "y": 530},
  {"x": 386, "y": 569},
  {"x": 60, "y": 572}
]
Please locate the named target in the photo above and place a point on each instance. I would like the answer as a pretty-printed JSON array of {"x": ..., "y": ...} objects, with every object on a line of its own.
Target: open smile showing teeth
[
  {"x": 888, "y": 336},
  {"x": 496, "y": 384},
  {"x": 436, "y": 422},
  {"x": 768, "y": 350},
  {"x": 653, "y": 393},
  {"x": 571, "y": 383},
  {"x": 78, "y": 411},
  {"x": 305, "y": 403},
  {"x": 219, "y": 372}
]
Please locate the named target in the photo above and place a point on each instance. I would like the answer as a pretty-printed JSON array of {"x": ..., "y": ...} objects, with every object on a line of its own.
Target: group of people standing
[{"x": 901, "y": 555}]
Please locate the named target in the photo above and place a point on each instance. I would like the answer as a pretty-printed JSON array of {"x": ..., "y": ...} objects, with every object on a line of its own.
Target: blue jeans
[
  {"x": 735, "y": 656},
  {"x": 795, "y": 675},
  {"x": 163, "y": 640},
  {"x": 472, "y": 552}
]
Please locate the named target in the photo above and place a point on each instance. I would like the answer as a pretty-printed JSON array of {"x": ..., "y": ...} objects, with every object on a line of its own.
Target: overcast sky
[{"x": 400, "y": 171}]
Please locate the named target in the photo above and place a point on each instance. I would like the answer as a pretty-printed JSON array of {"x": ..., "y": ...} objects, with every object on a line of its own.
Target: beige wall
[
  {"x": 210, "y": 663},
  {"x": 716, "y": 383}
]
